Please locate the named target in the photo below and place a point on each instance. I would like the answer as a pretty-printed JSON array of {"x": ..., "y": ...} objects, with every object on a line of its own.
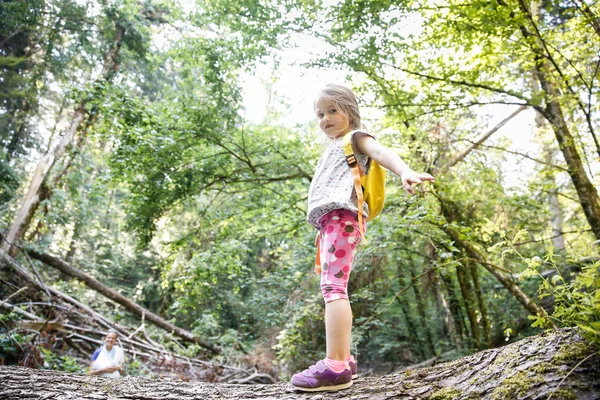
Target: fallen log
[
  {"x": 557, "y": 363},
  {"x": 117, "y": 297},
  {"x": 154, "y": 354},
  {"x": 24, "y": 274}
]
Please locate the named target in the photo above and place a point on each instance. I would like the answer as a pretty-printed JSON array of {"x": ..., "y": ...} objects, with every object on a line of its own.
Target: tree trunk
[
  {"x": 134, "y": 308},
  {"x": 422, "y": 316},
  {"x": 588, "y": 196},
  {"x": 444, "y": 307},
  {"x": 485, "y": 321},
  {"x": 556, "y": 218},
  {"x": 410, "y": 325},
  {"x": 34, "y": 194},
  {"x": 508, "y": 283},
  {"x": 459, "y": 322},
  {"x": 553, "y": 112},
  {"x": 442, "y": 304},
  {"x": 533, "y": 368},
  {"x": 467, "y": 294}
]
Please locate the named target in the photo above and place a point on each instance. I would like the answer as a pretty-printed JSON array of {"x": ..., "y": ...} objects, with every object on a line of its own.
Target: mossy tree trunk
[
  {"x": 459, "y": 322},
  {"x": 469, "y": 300},
  {"x": 36, "y": 193},
  {"x": 421, "y": 308},
  {"x": 410, "y": 324},
  {"x": 485, "y": 321},
  {"x": 533, "y": 368}
]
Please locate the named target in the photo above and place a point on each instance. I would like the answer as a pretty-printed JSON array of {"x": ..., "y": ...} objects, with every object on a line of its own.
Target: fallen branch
[
  {"x": 117, "y": 297},
  {"x": 37, "y": 324},
  {"x": 24, "y": 274}
]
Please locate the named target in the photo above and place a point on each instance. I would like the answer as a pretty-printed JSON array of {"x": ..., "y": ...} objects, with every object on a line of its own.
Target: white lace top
[{"x": 332, "y": 186}]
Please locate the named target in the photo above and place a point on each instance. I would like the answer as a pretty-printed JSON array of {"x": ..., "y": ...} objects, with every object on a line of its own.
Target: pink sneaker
[
  {"x": 320, "y": 377},
  {"x": 353, "y": 367}
]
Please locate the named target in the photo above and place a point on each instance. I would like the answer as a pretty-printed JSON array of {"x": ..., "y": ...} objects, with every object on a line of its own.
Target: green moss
[
  {"x": 514, "y": 386},
  {"x": 447, "y": 393},
  {"x": 408, "y": 385},
  {"x": 571, "y": 352},
  {"x": 542, "y": 367},
  {"x": 564, "y": 394},
  {"x": 474, "y": 380},
  {"x": 508, "y": 359}
]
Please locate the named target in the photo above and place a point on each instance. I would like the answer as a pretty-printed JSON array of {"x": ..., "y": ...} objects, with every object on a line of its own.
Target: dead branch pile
[{"x": 60, "y": 323}]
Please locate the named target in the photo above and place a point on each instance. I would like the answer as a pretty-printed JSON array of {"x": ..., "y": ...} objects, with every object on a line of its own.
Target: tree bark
[
  {"x": 442, "y": 303},
  {"x": 444, "y": 307},
  {"x": 533, "y": 368},
  {"x": 134, "y": 308},
  {"x": 588, "y": 196},
  {"x": 556, "y": 217}
]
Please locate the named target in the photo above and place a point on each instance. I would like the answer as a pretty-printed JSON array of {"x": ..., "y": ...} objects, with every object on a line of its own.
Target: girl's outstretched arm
[{"x": 391, "y": 161}]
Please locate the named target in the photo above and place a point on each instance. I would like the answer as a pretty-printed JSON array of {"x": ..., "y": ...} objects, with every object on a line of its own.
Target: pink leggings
[{"x": 339, "y": 237}]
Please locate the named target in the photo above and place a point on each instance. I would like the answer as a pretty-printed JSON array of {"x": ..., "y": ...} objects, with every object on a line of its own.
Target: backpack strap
[
  {"x": 318, "y": 268},
  {"x": 356, "y": 174}
]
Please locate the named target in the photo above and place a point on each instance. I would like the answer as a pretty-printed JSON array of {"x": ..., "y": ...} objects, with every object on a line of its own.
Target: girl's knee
[{"x": 331, "y": 292}]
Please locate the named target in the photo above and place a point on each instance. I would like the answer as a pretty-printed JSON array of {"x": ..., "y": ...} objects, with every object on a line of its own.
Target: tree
[
  {"x": 492, "y": 374},
  {"x": 476, "y": 55}
]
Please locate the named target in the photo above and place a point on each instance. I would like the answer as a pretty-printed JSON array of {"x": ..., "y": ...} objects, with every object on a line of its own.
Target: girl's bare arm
[{"x": 391, "y": 161}]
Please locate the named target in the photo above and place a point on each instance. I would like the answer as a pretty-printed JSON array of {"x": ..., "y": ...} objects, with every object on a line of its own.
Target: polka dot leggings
[{"x": 339, "y": 238}]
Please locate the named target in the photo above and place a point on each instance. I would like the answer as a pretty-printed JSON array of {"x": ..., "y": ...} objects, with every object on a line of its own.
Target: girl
[{"x": 332, "y": 209}]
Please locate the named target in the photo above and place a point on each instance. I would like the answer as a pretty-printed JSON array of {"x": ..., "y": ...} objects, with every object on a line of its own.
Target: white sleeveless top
[
  {"x": 105, "y": 359},
  {"x": 332, "y": 186}
]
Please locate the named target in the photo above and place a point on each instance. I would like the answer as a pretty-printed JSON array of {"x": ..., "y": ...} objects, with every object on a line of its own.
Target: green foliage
[
  {"x": 137, "y": 368},
  {"x": 9, "y": 182},
  {"x": 171, "y": 197},
  {"x": 576, "y": 295},
  {"x": 577, "y": 299},
  {"x": 11, "y": 344},
  {"x": 61, "y": 363},
  {"x": 299, "y": 340}
]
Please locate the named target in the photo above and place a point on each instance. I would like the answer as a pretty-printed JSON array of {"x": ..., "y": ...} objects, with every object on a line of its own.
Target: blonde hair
[{"x": 345, "y": 101}]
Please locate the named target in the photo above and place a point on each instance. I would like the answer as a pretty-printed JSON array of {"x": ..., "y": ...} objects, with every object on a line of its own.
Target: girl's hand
[{"x": 410, "y": 177}]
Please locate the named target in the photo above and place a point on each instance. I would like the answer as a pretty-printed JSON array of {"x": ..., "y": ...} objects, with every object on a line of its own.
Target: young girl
[{"x": 332, "y": 209}]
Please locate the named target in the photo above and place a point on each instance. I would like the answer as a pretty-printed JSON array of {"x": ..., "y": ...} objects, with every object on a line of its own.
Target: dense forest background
[{"x": 127, "y": 152}]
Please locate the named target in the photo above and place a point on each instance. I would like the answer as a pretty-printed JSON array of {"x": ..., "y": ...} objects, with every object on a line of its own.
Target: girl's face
[{"x": 331, "y": 121}]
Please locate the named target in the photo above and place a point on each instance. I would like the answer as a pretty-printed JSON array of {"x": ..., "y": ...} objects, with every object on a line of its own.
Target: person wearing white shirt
[{"x": 109, "y": 359}]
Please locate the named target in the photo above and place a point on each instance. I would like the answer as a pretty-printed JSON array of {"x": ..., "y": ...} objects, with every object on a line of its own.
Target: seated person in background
[{"x": 108, "y": 360}]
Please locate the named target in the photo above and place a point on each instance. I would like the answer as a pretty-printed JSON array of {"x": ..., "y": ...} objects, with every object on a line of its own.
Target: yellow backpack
[{"x": 369, "y": 187}]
